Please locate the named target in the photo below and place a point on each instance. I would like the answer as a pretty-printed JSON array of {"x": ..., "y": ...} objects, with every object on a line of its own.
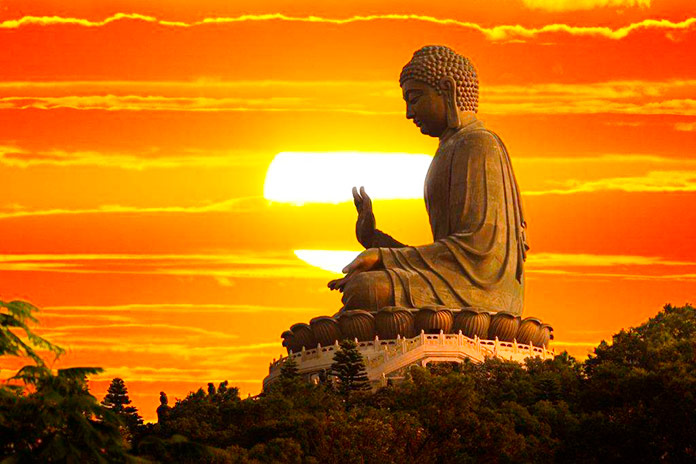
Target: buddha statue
[{"x": 473, "y": 202}]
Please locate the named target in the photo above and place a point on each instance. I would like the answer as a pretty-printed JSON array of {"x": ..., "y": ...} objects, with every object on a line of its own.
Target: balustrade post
[
  {"x": 441, "y": 338},
  {"x": 495, "y": 346},
  {"x": 460, "y": 338},
  {"x": 422, "y": 337},
  {"x": 514, "y": 345}
]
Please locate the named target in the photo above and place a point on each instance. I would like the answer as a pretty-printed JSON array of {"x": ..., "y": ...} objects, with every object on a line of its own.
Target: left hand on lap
[{"x": 365, "y": 261}]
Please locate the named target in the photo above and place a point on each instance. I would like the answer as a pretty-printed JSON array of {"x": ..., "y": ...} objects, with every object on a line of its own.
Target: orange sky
[{"x": 135, "y": 139}]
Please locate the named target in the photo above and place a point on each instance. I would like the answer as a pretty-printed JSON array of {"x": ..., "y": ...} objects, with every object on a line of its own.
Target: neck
[{"x": 465, "y": 118}]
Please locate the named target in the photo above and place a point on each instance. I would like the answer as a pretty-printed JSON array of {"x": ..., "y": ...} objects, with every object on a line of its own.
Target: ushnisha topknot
[{"x": 433, "y": 62}]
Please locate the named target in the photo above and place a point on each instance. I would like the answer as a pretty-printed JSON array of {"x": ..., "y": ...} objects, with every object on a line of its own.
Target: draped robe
[{"x": 477, "y": 256}]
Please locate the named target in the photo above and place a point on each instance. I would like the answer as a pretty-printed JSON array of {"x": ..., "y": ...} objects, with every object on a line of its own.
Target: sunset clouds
[
  {"x": 502, "y": 32},
  {"x": 136, "y": 139},
  {"x": 671, "y": 97},
  {"x": 572, "y": 5}
]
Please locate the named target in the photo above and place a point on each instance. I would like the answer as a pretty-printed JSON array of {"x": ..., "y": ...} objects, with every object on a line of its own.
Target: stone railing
[{"x": 385, "y": 356}]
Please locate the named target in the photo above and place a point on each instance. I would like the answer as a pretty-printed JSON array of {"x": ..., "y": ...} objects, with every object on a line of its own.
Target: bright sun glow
[
  {"x": 329, "y": 260},
  {"x": 328, "y": 177}
]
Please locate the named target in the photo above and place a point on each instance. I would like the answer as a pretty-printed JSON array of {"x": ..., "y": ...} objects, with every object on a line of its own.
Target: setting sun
[
  {"x": 177, "y": 175},
  {"x": 329, "y": 177},
  {"x": 329, "y": 260}
]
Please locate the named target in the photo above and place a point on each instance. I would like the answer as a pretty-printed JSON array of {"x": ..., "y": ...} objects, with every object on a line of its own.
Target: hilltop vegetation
[{"x": 631, "y": 401}]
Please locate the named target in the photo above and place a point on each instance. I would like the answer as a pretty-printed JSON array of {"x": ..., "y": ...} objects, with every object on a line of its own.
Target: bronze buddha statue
[{"x": 472, "y": 199}]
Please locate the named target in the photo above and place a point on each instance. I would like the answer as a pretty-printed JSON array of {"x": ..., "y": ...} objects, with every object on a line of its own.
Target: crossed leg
[{"x": 370, "y": 290}]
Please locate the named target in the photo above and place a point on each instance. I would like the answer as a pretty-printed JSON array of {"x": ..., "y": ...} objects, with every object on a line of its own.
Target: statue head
[{"x": 438, "y": 85}]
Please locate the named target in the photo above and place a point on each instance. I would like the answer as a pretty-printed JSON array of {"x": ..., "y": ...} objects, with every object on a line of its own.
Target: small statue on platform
[{"x": 472, "y": 199}]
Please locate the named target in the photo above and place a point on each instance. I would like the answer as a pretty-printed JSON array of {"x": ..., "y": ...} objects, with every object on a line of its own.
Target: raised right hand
[{"x": 365, "y": 225}]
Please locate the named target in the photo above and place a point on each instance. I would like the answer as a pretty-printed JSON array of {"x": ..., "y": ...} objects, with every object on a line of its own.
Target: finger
[
  {"x": 338, "y": 284},
  {"x": 367, "y": 201},
  {"x": 342, "y": 284},
  {"x": 356, "y": 198},
  {"x": 348, "y": 268},
  {"x": 352, "y": 266}
]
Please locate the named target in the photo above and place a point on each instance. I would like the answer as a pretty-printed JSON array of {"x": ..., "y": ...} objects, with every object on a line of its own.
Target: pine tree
[
  {"x": 289, "y": 370},
  {"x": 349, "y": 369},
  {"x": 118, "y": 401}
]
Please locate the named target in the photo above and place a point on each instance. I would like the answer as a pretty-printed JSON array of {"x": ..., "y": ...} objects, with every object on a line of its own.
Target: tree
[
  {"x": 118, "y": 401},
  {"x": 15, "y": 316},
  {"x": 349, "y": 369},
  {"x": 289, "y": 369},
  {"x": 633, "y": 401},
  {"x": 55, "y": 419},
  {"x": 639, "y": 393},
  {"x": 59, "y": 421}
]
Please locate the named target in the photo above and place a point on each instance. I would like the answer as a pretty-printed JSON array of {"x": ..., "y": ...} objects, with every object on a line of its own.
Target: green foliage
[
  {"x": 348, "y": 368},
  {"x": 640, "y": 392},
  {"x": 199, "y": 416},
  {"x": 633, "y": 401},
  {"x": 285, "y": 450},
  {"x": 15, "y": 317},
  {"x": 59, "y": 421},
  {"x": 117, "y": 400},
  {"x": 289, "y": 369},
  {"x": 180, "y": 450},
  {"x": 47, "y": 416}
]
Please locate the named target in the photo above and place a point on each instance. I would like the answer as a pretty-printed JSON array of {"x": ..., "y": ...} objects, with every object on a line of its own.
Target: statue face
[{"x": 425, "y": 107}]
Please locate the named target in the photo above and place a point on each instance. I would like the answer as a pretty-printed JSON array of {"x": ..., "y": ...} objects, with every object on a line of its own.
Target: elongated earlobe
[{"x": 449, "y": 91}]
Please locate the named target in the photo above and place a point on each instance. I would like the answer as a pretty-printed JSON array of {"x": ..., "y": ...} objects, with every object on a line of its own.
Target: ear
[{"x": 448, "y": 86}]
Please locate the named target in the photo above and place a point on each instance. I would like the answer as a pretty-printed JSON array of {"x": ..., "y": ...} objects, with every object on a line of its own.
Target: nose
[{"x": 409, "y": 112}]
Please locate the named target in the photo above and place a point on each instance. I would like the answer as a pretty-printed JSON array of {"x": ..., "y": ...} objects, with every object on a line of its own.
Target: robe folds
[{"x": 477, "y": 256}]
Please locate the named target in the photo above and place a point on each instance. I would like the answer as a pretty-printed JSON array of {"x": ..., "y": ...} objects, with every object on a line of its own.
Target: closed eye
[{"x": 412, "y": 96}]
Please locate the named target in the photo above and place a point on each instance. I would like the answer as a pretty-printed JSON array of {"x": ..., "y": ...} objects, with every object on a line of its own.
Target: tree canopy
[
  {"x": 631, "y": 401},
  {"x": 348, "y": 369},
  {"x": 48, "y": 416},
  {"x": 118, "y": 401}
]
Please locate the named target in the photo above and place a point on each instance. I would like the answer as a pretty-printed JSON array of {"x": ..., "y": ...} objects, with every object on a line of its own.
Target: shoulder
[
  {"x": 481, "y": 136},
  {"x": 478, "y": 140}
]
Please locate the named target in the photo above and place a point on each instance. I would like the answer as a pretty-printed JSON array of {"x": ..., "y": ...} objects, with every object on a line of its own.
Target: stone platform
[{"x": 389, "y": 360}]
